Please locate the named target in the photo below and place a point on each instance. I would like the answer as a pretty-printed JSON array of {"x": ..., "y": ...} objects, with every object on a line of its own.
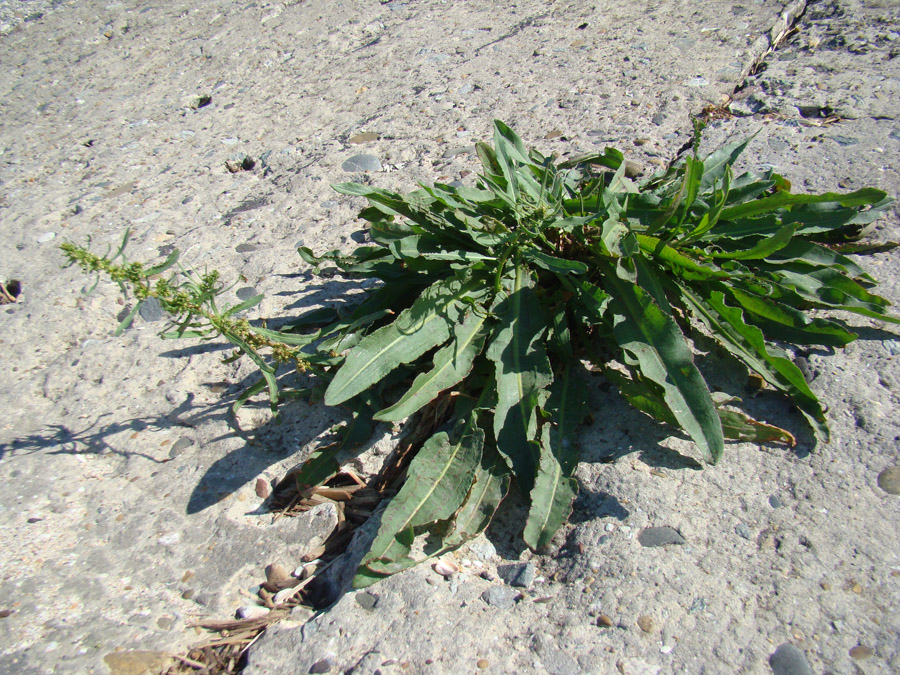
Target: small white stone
[
  {"x": 252, "y": 612},
  {"x": 47, "y": 236},
  {"x": 666, "y": 649},
  {"x": 169, "y": 539}
]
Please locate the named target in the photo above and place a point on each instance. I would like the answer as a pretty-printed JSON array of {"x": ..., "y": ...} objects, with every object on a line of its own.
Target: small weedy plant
[{"x": 493, "y": 301}]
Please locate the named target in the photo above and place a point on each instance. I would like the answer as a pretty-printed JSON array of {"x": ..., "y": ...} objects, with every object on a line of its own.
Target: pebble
[
  {"x": 276, "y": 574},
  {"x": 151, "y": 310},
  {"x": 262, "y": 488},
  {"x": 646, "y": 623},
  {"x": 660, "y": 536},
  {"x": 136, "y": 662},
  {"x": 246, "y": 292},
  {"x": 252, "y": 612},
  {"x": 47, "y": 236},
  {"x": 367, "y": 601},
  {"x": 482, "y": 664},
  {"x": 517, "y": 574},
  {"x": 322, "y": 665},
  {"x": 860, "y": 652},
  {"x": 500, "y": 596},
  {"x": 169, "y": 539},
  {"x": 775, "y": 502},
  {"x": 365, "y": 137},
  {"x": 245, "y": 248},
  {"x": 788, "y": 660},
  {"x": 889, "y": 480},
  {"x": 742, "y": 530},
  {"x": 697, "y": 82},
  {"x": 605, "y": 621},
  {"x": 698, "y": 605},
  {"x": 180, "y": 446},
  {"x": 361, "y": 163},
  {"x": 637, "y": 667}
]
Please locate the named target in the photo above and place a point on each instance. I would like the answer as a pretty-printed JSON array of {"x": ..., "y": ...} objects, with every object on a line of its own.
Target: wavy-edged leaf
[
  {"x": 832, "y": 288},
  {"x": 451, "y": 365},
  {"x": 438, "y": 481},
  {"x": 522, "y": 373},
  {"x": 489, "y": 488},
  {"x": 748, "y": 344},
  {"x": 654, "y": 339},
  {"x": 554, "y": 487},
  {"x": 426, "y": 324},
  {"x": 739, "y": 426},
  {"x": 783, "y": 322}
]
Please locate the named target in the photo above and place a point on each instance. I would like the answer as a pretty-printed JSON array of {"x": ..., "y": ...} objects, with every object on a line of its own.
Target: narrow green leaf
[
  {"x": 522, "y": 372},
  {"x": 438, "y": 481},
  {"x": 747, "y": 343},
  {"x": 246, "y": 304},
  {"x": 830, "y": 287},
  {"x": 793, "y": 324},
  {"x": 554, "y": 264},
  {"x": 764, "y": 247},
  {"x": 451, "y": 365},
  {"x": 681, "y": 263},
  {"x": 554, "y": 487},
  {"x": 781, "y": 200},
  {"x": 416, "y": 330},
  {"x": 654, "y": 339}
]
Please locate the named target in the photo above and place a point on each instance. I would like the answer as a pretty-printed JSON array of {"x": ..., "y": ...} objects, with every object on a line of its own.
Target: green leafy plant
[{"x": 493, "y": 301}]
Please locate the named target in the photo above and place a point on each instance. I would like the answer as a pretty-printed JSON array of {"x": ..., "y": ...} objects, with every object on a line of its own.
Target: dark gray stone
[
  {"x": 788, "y": 660},
  {"x": 517, "y": 574},
  {"x": 775, "y": 502},
  {"x": 362, "y": 163},
  {"x": 844, "y": 140},
  {"x": 501, "y": 597},
  {"x": 367, "y": 601},
  {"x": 246, "y": 292},
  {"x": 742, "y": 530},
  {"x": 245, "y": 248},
  {"x": 660, "y": 536},
  {"x": 151, "y": 310}
]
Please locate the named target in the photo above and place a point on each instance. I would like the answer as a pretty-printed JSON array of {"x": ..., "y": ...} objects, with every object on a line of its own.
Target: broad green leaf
[
  {"x": 716, "y": 163},
  {"x": 438, "y": 480},
  {"x": 488, "y": 489},
  {"x": 654, "y": 339},
  {"x": 522, "y": 372},
  {"x": 801, "y": 250},
  {"x": 554, "y": 487},
  {"x": 421, "y": 327},
  {"x": 451, "y": 365}
]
